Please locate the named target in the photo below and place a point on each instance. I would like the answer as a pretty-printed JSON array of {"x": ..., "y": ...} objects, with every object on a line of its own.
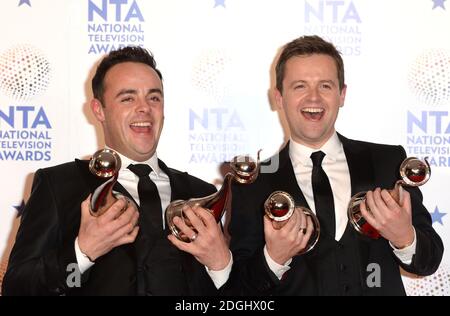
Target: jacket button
[
  {"x": 58, "y": 290},
  {"x": 265, "y": 286}
]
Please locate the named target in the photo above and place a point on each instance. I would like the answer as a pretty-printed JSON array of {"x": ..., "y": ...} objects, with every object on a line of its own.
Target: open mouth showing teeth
[
  {"x": 141, "y": 126},
  {"x": 313, "y": 114}
]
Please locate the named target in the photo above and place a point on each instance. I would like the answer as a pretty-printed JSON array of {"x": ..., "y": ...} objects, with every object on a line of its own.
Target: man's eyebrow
[
  {"x": 126, "y": 91},
  {"x": 155, "y": 90},
  {"x": 330, "y": 81},
  {"x": 134, "y": 91},
  {"x": 296, "y": 82}
]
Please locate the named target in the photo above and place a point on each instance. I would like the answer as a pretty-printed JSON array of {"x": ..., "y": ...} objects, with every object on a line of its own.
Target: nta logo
[{"x": 120, "y": 8}]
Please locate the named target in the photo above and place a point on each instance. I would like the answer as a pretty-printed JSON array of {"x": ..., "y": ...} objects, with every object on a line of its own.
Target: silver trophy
[
  {"x": 243, "y": 170},
  {"x": 280, "y": 206},
  {"x": 105, "y": 164},
  {"x": 413, "y": 171}
]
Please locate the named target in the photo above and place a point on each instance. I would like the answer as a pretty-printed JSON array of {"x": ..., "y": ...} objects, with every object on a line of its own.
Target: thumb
[
  {"x": 85, "y": 208},
  {"x": 406, "y": 201},
  {"x": 267, "y": 225}
]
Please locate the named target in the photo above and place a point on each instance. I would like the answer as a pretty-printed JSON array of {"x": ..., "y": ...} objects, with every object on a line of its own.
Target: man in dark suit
[
  {"x": 310, "y": 89},
  {"x": 124, "y": 251}
]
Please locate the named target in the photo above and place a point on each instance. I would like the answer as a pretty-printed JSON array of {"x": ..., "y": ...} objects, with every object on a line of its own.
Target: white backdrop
[{"x": 216, "y": 57}]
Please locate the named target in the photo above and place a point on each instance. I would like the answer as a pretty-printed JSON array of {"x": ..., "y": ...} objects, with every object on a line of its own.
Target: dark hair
[
  {"x": 125, "y": 54},
  {"x": 308, "y": 45}
]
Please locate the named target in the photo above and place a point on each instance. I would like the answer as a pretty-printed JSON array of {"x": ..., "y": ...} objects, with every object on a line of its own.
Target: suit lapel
[
  {"x": 178, "y": 185},
  {"x": 91, "y": 181},
  {"x": 285, "y": 179},
  {"x": 360, "y": 165}
]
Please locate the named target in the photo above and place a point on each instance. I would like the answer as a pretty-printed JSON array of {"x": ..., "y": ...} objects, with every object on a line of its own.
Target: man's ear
[
  {"x": 97, "y": 109},
  {"x": 342, "y": 97},
  {"x": 278, "y": 98}
]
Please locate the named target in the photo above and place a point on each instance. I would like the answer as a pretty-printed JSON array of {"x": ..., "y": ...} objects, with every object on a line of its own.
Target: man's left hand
[
  {"x": 392, "y": 220},
  {"x": 208, "y": 243}
]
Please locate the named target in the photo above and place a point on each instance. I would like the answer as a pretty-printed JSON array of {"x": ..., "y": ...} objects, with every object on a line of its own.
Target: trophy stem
[
  {"x": 243, "y": 170},
  {"x": 105, "y": 163},
  {"x": 219, "y": 204},
  {"x": 103, "y": 197}
]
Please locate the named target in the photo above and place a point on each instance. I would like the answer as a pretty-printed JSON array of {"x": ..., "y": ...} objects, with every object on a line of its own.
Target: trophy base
[
  {"x": 357, "y": 220},
  {"x": 173, "y": 211}
]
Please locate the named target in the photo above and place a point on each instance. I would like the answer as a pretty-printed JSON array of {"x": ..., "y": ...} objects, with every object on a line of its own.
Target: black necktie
[
  {"x": 150, "y": 222},
  {"x": 150, "y": 217},
  {"x": 323, "y": 195}
]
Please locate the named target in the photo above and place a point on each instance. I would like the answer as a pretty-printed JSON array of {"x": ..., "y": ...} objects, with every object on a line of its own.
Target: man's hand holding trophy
[
  {"x": 195, "y": 223},
  {"x": 413, "y": 172},
  {"x": 244, "y": 170},
  {"x": 108, "y": 219},
  {"x": 280, "y": 207}
]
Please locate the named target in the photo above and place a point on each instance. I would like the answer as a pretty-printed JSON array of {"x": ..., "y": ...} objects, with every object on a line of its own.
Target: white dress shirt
[
  {"x": 335, "y": 166},
  {"x": 129, "y": 181}
]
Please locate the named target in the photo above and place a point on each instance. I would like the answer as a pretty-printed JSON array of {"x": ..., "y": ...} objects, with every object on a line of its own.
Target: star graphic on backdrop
[
  {"x": 24, "y": 2},
  {"x": 437, "y": 216},
  {"x": 20, "y": 208},
  {"x": 222, "y": 3},
  {"x": 438, "y": 3}
]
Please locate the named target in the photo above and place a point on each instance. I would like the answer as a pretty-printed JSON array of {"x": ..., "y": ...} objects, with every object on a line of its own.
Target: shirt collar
[
  {"x": 152, "y": 162},
  {"x": 300, "y": 154}
]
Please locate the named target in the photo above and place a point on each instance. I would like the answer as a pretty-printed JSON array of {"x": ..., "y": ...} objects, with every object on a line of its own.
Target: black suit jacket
[
  {"x": 44, "y": 247},
  {"x": 370, "y": 165}
]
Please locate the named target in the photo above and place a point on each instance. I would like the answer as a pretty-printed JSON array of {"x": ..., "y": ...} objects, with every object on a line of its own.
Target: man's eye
[
  {"x": 155, "y": 98},
  {"x": 127, "y": 99}
]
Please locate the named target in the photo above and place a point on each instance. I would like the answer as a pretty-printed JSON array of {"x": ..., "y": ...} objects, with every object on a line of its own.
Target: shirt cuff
[
  {"x": 220, "y": 277},
  {"x": 276, "y": 268},
  {"x": 406, "y": 254},
  {"x": 83, "y": 261}
]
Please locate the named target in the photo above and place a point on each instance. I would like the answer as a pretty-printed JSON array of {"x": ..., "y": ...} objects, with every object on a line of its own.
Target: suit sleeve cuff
[
  {"x": 276, "y": 268},
  {"x": 220, "y": 277},
  {"x": 83, "y": 261},
  {"x": 406, "y": 254}
]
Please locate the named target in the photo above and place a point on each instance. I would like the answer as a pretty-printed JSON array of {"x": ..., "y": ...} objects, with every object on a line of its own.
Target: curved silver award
[
  {"x": 414, "y": 172},
  {"x": 244, "y": 170},
  {"x": 105, "y": 163},
  {"x": 280, "y": 206}
]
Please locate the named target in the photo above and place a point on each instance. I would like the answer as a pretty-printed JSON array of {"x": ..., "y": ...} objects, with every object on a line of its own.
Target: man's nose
[
  {"x": 314, "y": 94},
  {"x": 142, "y": 106}
]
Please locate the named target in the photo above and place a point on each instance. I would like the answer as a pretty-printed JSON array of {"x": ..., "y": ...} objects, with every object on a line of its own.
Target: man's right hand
[
  {"x": 99, "y": 235},
  {"x": 286, "y": 242}
]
